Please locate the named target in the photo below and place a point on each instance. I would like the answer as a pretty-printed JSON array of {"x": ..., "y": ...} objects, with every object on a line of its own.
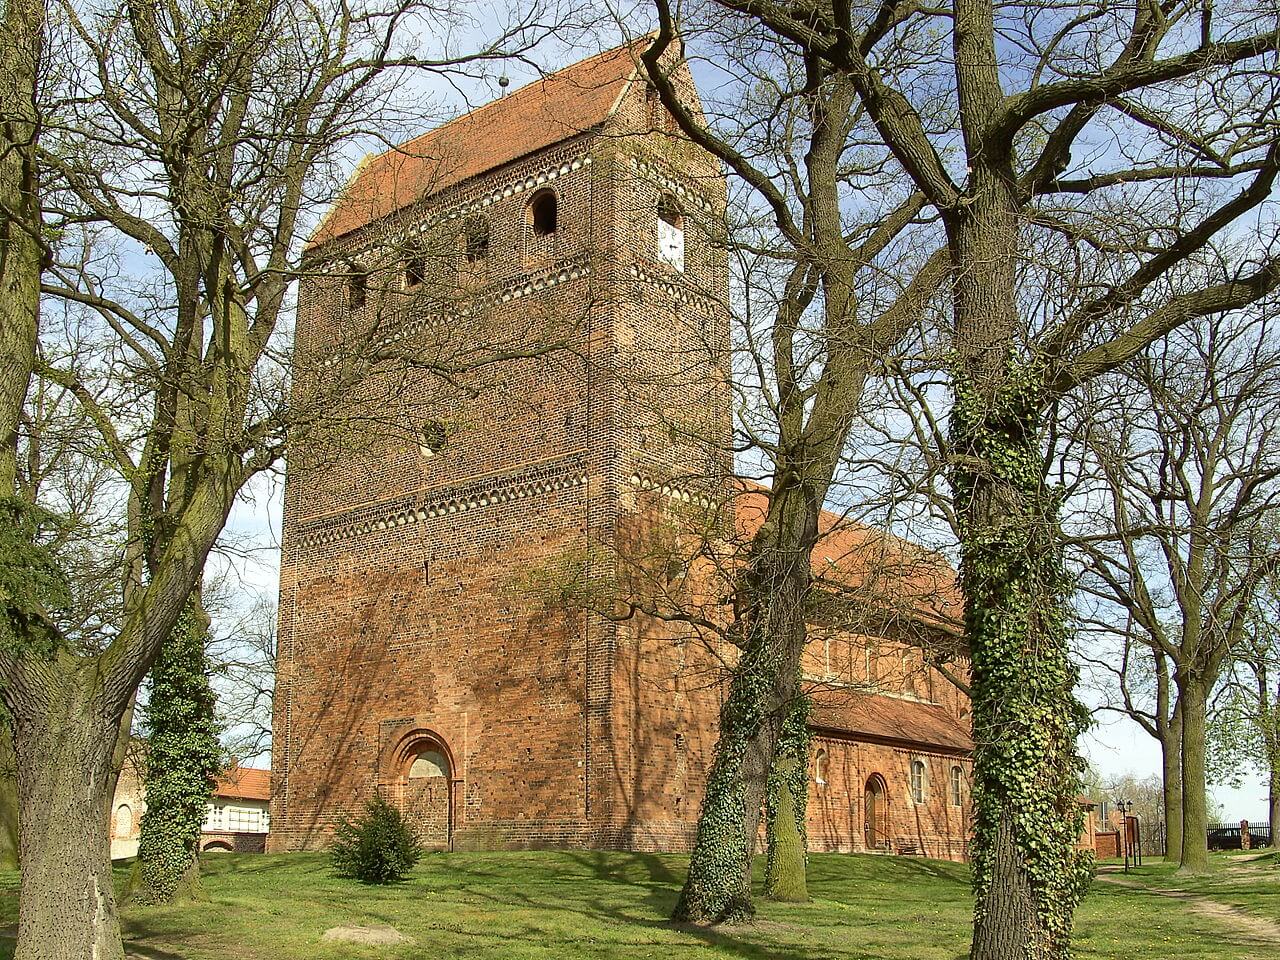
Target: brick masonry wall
[
  {"x": 232, "y": 841},
  {"x": 866, "y": 782},
  {"x": 422, "y": 600}
]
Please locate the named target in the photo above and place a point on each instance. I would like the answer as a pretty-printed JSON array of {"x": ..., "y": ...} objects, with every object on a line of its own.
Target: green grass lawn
[
  {"x": 614, "y": 905},
  {"x": 1235, "y": 878}
]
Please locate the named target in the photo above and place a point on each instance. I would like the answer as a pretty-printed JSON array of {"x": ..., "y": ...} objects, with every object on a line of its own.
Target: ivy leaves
[{"x": 32, "y": 578}]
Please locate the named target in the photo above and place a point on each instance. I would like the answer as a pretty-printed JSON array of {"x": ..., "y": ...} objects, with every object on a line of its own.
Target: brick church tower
[{"x": 429, "y": 524}]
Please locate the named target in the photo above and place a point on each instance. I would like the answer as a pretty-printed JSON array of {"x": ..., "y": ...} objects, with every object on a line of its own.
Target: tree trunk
[
  {"x": 1273, "y": 807},
  {"x": 763, "y": 689},
  {"x": 8, "y": 798},
  {"x": 718, "y": 886},
  {"x": 21, "y": 257},
  {"x": 1171, "y": 756},
  {"x": 65, "y": 780},
  {"x": 786, "y": 861},
  {"x": 1195, "y": 810},
  {"x": 1028, "y": 876}
]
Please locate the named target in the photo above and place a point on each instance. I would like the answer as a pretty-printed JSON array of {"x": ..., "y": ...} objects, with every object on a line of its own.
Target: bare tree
[
  {"x": 1134, "y": 680},
  {"x": 199, "y": 136},
  {"x": 1244, "y": 729},
  {"x": 1177, "y": 450},
  {"x": 243, "y": 657},
  {"x": 821, "y": 313},
  {"x": 1086, "y": 170}
]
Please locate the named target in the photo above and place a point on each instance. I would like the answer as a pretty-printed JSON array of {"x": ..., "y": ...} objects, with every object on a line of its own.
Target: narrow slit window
[
  {"x": 957, "y": 787},
  {"x": 670, "y": 232},
  {"x": 477, "y": 240},
  {"x": 357, "y": 288},
  {"x": 415, "y": 268}
]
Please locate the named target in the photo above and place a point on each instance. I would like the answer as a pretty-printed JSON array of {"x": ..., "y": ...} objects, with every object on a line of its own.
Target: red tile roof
[
  {"x": 531, "y": 118},
  {"x": 877, "y": 717},
  {"x": 244, "y": 783},
  {"x": 870, "y": 566}
]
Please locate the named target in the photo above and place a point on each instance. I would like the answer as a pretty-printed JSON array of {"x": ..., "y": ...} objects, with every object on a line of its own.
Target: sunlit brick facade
[{"x": 428, "y": 646}]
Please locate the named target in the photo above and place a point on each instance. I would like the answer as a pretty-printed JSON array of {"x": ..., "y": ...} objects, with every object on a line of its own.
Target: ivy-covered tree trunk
[
  {"x": 183, "y": 759},
  {"x": 787, "y": 856},
  {"x": 66, "y": 779},
  {"x": 762, "y": 691},
  {"x": 1028, "y": 876},
  {"x": 1193, "y": 696}
]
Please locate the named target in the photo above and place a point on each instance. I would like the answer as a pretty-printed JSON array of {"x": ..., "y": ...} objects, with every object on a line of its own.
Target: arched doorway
[
  {"x": 426, "y": 790},
  {"x": 876, "y": 812}
]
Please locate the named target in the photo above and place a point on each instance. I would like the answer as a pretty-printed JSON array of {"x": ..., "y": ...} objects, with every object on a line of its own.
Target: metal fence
[{"x": 1230, "y": 836}]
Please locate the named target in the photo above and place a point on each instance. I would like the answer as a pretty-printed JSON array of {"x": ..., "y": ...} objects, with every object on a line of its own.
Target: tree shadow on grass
[
  {"x": 646, "y": 888},
  {"x": 132, "y": 951}
]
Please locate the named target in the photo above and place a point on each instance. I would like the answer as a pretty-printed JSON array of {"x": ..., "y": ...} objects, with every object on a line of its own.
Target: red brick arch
[
  {"x": 429, "y": 806},
  {"x": 405, "y": 744}
]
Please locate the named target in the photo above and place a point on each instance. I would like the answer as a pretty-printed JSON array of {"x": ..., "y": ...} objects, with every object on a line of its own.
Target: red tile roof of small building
[
  {"x": 536, "y": 116},
  {"x": 874, "y": 716},
  {"x": 244, "y": 783}
]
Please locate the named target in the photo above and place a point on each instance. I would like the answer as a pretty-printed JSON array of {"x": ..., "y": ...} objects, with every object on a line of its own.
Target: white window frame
[{"x": 923, "y": 795}]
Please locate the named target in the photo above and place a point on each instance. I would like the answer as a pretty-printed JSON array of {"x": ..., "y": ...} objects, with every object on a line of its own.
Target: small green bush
[{"x": 378, "y": 847}]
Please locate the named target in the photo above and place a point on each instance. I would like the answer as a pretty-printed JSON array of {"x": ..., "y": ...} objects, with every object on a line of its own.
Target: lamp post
[{"x": 1124, "y": 806}]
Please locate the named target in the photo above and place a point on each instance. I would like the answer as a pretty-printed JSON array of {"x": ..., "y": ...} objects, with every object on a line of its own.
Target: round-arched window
[
  {"x": 917, "y": 781},
  {"x": 428, "y": 763},
  {"x": 820, "y": 766},
  {"x": 543, "y": 215},
  {"x": 124, "y": 820}
]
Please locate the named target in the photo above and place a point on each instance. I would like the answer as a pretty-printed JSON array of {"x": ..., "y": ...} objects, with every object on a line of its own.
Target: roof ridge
[
  {"x": 504, "y": 99},
  {"x": 554, "y": 107}
]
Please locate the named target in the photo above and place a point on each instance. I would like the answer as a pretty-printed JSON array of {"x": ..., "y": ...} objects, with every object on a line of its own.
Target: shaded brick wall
[{"x": 232, "y": 841}]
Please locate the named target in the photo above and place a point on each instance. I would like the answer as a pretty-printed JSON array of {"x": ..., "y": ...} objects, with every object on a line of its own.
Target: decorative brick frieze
[{"x": 490, "y": 492}]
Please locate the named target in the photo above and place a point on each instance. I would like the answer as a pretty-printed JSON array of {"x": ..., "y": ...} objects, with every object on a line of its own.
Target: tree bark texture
[
  {"x": 65, "y": 780},
  {"x": 1195, "y": 809},
  {"x": 763, "y": 690},
  {"x": 21, "y": 256},
  {"x": 1028, "y": 876},
  {"x": 1171, "y": 757}
]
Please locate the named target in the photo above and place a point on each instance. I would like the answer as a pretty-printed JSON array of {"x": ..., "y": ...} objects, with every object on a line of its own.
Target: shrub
[{"x": 378, "y": 847}]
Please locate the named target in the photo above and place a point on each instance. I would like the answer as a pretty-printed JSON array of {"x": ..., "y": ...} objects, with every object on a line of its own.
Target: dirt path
[{"x": 1265, "y": 931}]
